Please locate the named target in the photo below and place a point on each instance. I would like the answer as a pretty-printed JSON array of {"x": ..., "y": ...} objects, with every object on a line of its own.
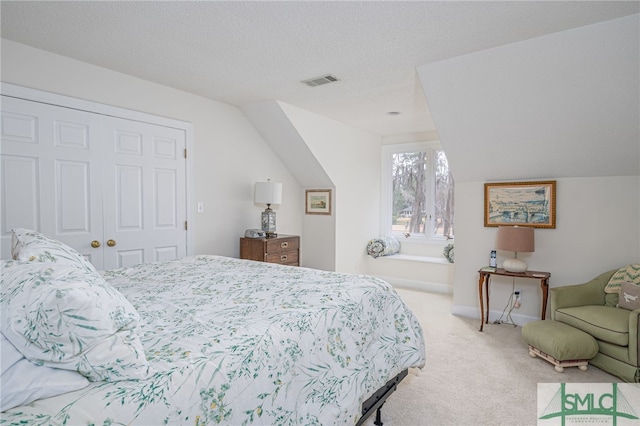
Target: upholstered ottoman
[{"x": 560, "y": 344}]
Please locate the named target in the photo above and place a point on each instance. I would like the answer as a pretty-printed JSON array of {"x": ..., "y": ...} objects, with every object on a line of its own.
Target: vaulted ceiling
[{"x": 243, "y": 52}]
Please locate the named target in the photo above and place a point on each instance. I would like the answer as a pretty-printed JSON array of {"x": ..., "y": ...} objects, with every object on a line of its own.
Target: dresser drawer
[
  {"x": 281, "y": 245},
  {"x": 289, "y": 257}
]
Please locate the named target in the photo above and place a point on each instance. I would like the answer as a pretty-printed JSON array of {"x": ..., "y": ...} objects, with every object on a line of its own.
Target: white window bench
[{"x": 426, "y": 273}]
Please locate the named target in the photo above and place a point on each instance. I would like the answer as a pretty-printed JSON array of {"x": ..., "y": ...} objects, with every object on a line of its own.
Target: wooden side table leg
[
  {"x": 544, "y": 284},
  {"x": 486, "y": 292},
  {"x": 480, "y": 283}
]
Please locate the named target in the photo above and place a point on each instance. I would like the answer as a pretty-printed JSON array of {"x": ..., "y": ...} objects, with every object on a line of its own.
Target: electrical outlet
[{"x": 517, "y": 299}]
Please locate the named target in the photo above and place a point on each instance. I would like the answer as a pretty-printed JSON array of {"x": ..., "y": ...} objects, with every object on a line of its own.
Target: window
[{"x": 417, "y": 191}]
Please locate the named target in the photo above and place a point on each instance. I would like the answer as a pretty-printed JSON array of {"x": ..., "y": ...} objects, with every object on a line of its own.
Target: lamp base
[
  {"x": 514, "y": 265},
  {"x": 268, "y": 221}
]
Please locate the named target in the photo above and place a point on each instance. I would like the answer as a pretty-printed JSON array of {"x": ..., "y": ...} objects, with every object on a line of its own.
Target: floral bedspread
[{"x": 238, "y": 342}]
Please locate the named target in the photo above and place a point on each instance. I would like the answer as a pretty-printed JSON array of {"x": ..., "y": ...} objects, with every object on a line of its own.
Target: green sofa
[{"x": 588, "y": 308}]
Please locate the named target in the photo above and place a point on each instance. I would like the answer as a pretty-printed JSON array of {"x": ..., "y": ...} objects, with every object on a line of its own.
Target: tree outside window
[{"x": 421, "y": 191}]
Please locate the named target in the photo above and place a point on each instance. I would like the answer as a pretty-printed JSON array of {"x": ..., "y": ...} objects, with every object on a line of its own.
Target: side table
[
  {"x": 485, "y": 278},
  {"x": 283, "y": 249}
]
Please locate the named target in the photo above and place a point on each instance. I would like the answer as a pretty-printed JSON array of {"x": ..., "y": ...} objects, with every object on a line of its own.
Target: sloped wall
[
  {"x": 318, "y": 240},
  {"x": 561, "y": 105},
  {"x": 326, "y": 154},
  {"x": 351, "y": 157},
  {"x": 564, "y": 106}
]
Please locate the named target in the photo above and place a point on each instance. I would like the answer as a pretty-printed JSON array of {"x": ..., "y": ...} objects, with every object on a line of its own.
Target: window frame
[{"x": 430, "y": 147}]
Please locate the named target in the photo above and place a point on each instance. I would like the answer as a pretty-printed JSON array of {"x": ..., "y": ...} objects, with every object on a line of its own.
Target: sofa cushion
[{"x": 605, "y": 323}]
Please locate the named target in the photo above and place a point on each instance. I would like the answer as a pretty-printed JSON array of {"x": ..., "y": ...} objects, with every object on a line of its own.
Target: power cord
[{"x": 510, "y": 302}]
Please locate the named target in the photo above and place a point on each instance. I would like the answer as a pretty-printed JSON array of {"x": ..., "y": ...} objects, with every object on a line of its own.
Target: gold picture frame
[
  {"x": 317, "y": 201},
  {"x": 530, "y": 204}
]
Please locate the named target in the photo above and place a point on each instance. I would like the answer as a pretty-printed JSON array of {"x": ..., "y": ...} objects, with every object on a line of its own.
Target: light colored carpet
[{"x": 472, "y": 378}]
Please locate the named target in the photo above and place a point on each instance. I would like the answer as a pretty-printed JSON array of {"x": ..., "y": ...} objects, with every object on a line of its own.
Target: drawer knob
[
  {"x": 284, "y": 244},
  {"x": 95, "y": 243},
  {"x": 283, "y": 257}
]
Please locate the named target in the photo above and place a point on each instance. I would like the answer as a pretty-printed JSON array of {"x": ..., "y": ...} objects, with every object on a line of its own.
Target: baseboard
[
  {"x": 474, "y": 312},
  {"x": 417, "y": 285}
]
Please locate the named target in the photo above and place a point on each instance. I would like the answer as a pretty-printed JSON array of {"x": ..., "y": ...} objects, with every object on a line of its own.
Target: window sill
[
  {"x": 414, "y": 258},
  {"x": 419, "y": 241}
]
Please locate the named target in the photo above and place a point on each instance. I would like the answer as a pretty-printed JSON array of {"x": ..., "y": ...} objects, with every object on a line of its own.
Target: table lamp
[
  {"x": 515, "y": 239},
  {"x": 268, "y": 193}
]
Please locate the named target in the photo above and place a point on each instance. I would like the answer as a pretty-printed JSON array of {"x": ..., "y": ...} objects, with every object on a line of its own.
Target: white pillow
[
  {"x": 24, "y": 382},
  {"x": 65, "y": 317},
  {"x": 30, "y": 245}
]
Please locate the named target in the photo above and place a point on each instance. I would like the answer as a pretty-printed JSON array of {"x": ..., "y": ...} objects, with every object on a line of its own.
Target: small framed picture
[{"x": 318, "y": 201}]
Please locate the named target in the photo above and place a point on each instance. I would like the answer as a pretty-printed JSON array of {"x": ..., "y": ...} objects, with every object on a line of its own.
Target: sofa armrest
[
  {"x": 589, "y": 293},
  {"x": 634, "y": 337}
]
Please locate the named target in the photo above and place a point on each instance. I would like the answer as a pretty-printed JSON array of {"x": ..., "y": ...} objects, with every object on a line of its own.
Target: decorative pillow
[
  {"x": 33, "y": 246},
  {"x": 629, "y": 296},
  {"x": 383, "y": 246},
  {"x": 630, "y": 273},
  {"x": 449, "y": 253},
  {"x": 65, "y": 317},
  {"x": 24, "y": 382}
]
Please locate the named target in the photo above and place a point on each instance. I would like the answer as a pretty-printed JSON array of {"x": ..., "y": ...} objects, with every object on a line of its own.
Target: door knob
[
  {"x": 95, "y": 243},
  {"x": 111, "y": 243}
]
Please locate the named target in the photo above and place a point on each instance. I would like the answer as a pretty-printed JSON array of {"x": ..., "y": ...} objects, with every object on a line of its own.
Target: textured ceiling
[{"x": 241, "y": 52}]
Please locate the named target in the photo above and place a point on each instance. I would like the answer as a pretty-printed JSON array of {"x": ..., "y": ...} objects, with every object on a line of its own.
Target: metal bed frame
[{"x": 377, "y": 400}]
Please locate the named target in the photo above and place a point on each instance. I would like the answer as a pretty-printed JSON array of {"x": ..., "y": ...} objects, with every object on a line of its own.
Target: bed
[{"x": 205, "y": 340}]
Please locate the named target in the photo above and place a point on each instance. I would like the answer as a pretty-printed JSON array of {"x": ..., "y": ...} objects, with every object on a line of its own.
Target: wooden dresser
[{"x": 283, "y": 249}]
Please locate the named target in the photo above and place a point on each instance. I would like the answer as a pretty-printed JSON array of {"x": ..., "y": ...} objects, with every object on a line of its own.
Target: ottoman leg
[{"x": 557, "y": 364}]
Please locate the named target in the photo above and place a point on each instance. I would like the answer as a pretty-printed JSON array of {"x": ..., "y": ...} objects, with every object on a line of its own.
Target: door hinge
[
  {"x": 186, "y": 226},
  {"x": 185, "y": 153}
]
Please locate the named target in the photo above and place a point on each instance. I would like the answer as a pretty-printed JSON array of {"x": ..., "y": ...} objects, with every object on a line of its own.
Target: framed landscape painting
[
  {"x": 318, "y": 201},
  {"x": 520, "y": 203}
]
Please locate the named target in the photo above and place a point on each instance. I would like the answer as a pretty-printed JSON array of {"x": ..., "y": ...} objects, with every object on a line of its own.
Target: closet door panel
[
  {"x": 20, "y": 197},
  {"x": 145, "y": 175},
  {"x": 129, "y": 198},
  {"x": 165, "y": 206},
  {"x": 51, "y": 176},
  {"x": 73, "y": 198}
]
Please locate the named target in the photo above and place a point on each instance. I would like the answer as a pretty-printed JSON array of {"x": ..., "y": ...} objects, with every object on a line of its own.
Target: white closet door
[
  {"x": 51, "y": 174},
  {"x": 144, "y": 192}
]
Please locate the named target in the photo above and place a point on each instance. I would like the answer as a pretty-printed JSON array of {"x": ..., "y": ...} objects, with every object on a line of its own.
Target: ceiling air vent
[{"x": 319, "y": 81}]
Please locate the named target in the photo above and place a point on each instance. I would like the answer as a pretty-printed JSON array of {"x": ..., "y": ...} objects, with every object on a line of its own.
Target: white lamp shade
[{"x": 268, "y": 193}]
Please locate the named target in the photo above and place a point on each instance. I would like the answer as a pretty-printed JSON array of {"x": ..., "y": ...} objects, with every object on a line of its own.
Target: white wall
[
  {"x": 564, "y": 107},
  {"x": 318, "y": 246},
  {"x": 228, "y": 156},
  {"x": 596, "y": 230},
  {"x": 351, "y": 158}
]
